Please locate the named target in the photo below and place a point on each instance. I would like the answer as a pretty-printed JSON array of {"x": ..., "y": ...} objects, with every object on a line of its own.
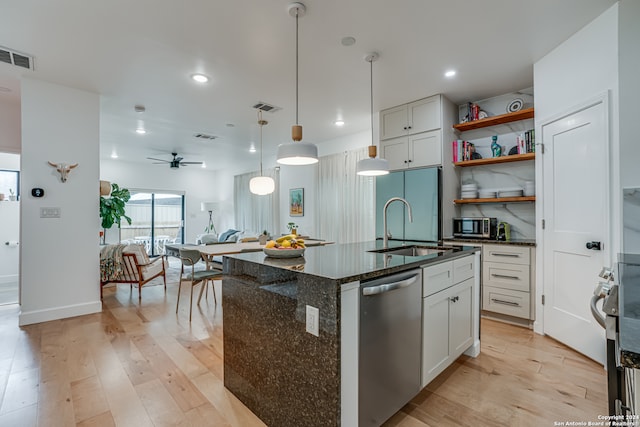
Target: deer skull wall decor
[{"x": 63, "y": 169}]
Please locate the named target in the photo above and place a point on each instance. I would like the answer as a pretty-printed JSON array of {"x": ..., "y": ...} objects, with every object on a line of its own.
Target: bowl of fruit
[{"x": 288, "y": 246}]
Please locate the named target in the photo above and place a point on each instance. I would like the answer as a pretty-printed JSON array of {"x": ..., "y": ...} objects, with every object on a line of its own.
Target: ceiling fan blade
[
  {"x": 159, "y": 163},
  {"x": 160, "y": 160},
  {"x": 178, "y": 159},
  {"x": 190, "y": 163}
]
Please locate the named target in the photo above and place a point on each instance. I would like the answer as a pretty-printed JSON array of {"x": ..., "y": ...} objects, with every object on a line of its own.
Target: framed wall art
[{"x": 296, "y": 202}]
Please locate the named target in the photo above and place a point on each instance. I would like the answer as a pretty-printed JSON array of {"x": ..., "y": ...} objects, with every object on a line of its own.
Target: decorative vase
[
  {"x": 262, "y": 239},
  {"x": 105, "y": 188},
  {"x": 1, "y": 197}
]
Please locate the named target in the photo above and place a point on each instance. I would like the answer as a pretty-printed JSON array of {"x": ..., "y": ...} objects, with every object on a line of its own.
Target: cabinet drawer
[
  {"x": 505, "y": 301},
  {"x": 436, "y": 278},
  {"x": 506, "y": 276},
  {"x": 463, "y": 269},
  {"x": 506, "y": 253}
]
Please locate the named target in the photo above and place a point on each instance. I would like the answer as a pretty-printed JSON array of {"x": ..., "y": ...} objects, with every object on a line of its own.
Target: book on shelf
[
  {"x": 462, "y": 150},
  {"x": 526, "y": 142}
]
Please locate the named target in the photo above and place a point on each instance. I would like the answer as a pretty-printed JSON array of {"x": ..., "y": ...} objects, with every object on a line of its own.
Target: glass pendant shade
[{"x": 262, "y": 185}]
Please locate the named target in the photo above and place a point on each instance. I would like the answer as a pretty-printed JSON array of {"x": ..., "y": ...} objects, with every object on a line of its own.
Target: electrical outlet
[{"x": 313, "y": 318}]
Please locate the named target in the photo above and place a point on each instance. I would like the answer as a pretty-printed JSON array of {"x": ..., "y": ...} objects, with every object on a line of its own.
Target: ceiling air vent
[
  {"x": 14, "y": 58},
  {"x": 263, "y": 106},
  {"x": 204, "y": 136}
]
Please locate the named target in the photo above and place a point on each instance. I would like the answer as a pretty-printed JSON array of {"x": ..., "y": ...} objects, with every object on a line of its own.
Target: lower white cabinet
[{"x": 447, "y": 315}]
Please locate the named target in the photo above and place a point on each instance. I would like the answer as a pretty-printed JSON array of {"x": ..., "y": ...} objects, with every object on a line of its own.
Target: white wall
[
  {"x": 307, "y": 177},
  {"x": 578, "y": 70},
  {"x": 199, "y": 185},
  {"x": 629, "y": 63},
  {"x": 59, "y": 256},
  {"x": 9, "y": 125}
]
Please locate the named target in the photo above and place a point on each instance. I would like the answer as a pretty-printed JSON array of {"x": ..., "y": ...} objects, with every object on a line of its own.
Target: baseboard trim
[
  {"x": 39, "y": 316},
  {"x": 10, "y": 278}
]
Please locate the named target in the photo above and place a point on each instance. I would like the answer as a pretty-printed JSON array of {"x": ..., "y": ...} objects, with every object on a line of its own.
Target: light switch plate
[
  {"x": 49, "y": 212},
  {"x": 313, "y": 319}
]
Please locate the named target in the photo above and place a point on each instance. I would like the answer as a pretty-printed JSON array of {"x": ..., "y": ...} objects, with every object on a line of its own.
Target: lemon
[
  {"x": 286, "y": 244},
  {"x": 270, "y": 244}
]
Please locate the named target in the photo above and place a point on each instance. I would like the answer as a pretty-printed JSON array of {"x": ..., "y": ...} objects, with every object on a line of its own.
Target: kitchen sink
[{"x": 411, "y": 251}]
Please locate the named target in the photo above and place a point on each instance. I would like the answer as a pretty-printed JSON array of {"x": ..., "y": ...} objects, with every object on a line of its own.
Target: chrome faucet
[{"x": 385, "y": 238}]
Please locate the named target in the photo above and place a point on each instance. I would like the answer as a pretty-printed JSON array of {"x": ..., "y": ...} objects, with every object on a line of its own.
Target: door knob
[{"x": 596, "y": 246}]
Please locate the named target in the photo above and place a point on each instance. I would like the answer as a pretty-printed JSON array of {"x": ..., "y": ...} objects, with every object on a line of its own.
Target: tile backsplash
[
  {"x": 631, "y": 220},
  {"x": 521, "y": 216}
]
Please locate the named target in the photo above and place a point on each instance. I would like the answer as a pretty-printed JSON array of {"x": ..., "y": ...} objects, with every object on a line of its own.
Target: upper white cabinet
[
  {"x": 414, "y": 117},
  {"x": 411, "y": 134},
  {"x": 413, "y": 151}
]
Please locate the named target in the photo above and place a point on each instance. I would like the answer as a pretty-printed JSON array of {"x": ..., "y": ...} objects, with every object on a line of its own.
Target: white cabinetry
[
  {"x": 413, "y": 151},
  {"x": 411, "y": 134},
  {"x": 506, "y": 280},
  {"x": 447, "y": 314},
  {"x": 415, "y": 117}
]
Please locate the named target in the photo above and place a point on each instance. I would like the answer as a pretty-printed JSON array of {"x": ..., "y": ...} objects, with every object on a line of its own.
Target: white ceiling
[{"x": 143, "y": 52}]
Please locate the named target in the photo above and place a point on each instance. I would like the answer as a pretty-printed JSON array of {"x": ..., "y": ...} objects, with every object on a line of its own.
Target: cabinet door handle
[
  {"x": 410, "y": 161},
  {"x": 455, "y": 299},
  {"x": 405, "y": 161},
  {"x": 408, "y": 127},
  {"x": 502, "y": 254},
  {"x": 504, "y": 276},
  {"x": 405, "y": 128},
  {"x": 500, "y": 301}
]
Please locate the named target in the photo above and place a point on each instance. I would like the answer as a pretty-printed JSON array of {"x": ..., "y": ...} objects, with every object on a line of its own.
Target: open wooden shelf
[
  {"x": 494, "y": 160},
  {"x": 497, "y": 200},
  {"x": 495, "y": 120}
]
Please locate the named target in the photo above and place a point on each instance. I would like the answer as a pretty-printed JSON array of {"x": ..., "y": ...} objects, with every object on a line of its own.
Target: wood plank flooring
[{"x": 143, "y": 365}]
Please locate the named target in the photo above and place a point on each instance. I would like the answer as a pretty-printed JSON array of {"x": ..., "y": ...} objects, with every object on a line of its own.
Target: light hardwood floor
[{"x": 141, "y": 365}]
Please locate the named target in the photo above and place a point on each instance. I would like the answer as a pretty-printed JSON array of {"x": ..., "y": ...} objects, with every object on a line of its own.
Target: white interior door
[
  {"x": 576, "y": 211},
  {"x": 9, "y": 251}
]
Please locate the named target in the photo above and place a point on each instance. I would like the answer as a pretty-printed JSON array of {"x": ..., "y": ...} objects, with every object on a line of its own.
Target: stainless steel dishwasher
[{"x": 390, "y": 345}]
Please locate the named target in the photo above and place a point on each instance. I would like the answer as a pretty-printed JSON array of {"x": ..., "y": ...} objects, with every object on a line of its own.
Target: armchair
[{"x": 130, "y": 264}]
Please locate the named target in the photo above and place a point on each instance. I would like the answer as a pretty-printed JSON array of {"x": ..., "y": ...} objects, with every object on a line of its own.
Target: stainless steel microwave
[{"x": 477, "y": 228}]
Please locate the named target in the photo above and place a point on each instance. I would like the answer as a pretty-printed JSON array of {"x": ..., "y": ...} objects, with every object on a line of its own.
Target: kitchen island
[{"x": 284, "y": 374}]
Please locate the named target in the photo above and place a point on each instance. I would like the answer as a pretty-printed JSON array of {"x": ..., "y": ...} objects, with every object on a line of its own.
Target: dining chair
[{"x": 189, "y": 258}]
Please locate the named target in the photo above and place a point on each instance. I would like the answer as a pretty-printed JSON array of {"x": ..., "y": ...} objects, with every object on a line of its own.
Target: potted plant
[
  {"x": 293, "y": 228},
  {"x": 112, "y": 208},
  {"x": 262, "y": 239},
  {"x": 12, "y": 195}
]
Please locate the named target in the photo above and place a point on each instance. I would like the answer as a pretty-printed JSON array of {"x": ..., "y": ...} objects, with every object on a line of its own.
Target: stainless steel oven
[{"x": 477, "y": 228}]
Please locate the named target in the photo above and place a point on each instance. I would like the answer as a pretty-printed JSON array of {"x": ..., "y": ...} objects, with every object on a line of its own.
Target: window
[{"x": 10, "y": 183}]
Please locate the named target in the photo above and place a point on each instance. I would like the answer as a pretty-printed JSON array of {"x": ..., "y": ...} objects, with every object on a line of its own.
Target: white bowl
[
  {"x": 510, "y": 193},
  {"x": 284, "y": 253}
]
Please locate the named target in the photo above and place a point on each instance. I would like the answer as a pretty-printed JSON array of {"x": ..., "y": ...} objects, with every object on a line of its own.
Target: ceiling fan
[{"x": 175, "y": 163}]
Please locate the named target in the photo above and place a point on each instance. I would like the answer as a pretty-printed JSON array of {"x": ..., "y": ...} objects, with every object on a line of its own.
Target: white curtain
[
  {"x": 346, "y": 201},
  {"x": 255, "y": 213}
]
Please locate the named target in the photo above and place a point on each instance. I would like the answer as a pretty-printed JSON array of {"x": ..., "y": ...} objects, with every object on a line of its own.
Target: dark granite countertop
[
  {"x": 517, "y": 242},
  {"x": 352, "y": 261}
]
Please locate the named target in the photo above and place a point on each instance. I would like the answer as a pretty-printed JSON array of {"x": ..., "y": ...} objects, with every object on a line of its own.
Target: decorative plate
[{"x": 284, "y": 253}]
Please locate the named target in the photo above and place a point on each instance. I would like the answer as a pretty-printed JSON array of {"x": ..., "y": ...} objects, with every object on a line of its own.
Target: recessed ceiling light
[
  {"x": 450, "y": 73},
  {"x": 252, "y": 149},
  {"x": 114, "y": 155},
  {"x": 204, "y": 165},
  {"x": 339, "y": 122},
  {"x": 139, "y": 108},
  {"x": 141, "y": 131},
  {"x": 200, "y": 78},
  {"x": 348, "y": 41},
  {"x": 230, "y": 125}
]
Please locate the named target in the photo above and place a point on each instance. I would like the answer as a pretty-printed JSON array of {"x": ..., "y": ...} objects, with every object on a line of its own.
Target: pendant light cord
[
  {"x": 261, "y": 123},
  {"x": 297, "y": 13},
  {"x": 371, "y": 64}
]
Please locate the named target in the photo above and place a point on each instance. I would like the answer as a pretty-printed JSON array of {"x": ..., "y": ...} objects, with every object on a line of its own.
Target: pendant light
[
  {"x": 372, "y": 166},
  {"x": 296, "y": 152},
  {"x": 261, "y": 185}
]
